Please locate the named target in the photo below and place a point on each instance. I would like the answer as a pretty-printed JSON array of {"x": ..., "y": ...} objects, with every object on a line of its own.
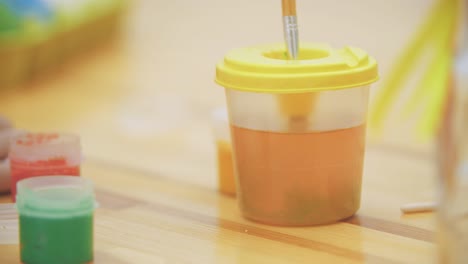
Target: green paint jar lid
[{"x": 55, "y": 196}]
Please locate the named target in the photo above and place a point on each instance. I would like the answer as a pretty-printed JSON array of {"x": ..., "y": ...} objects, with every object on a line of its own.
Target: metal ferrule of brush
[{"x": 291, "y": 35}]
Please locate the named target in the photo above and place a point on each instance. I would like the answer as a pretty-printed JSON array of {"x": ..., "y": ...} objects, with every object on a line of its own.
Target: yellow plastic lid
[{"x": 266, "y": 69}]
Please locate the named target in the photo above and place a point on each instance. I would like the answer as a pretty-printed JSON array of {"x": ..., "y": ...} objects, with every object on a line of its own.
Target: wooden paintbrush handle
[{"x": 289, "y": 7}]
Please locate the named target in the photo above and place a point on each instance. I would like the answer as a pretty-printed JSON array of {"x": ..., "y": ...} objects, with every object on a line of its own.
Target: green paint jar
[{"x": 56, "y": 219}]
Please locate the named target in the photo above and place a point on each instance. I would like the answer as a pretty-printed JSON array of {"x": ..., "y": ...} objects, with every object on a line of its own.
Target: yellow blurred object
[
  {"x": 428, "y": 125},
  {"x": 226, "y": 179},
  {"x": 432, "y": 90},
  {"x": 437, "y": 32},
  {"x": 14, "y": 61}
]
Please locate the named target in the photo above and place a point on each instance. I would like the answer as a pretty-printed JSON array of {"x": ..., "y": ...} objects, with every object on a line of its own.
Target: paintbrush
[
  {"x": 291, "y": 32},
  {"x": 296, "y": 107}
]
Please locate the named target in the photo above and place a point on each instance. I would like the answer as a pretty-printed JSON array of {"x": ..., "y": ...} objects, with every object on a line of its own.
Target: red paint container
[{"x": 41, "y": 154}]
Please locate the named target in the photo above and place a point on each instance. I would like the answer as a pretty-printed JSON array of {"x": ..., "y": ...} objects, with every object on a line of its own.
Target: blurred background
[{"x": 135, "y": 78}]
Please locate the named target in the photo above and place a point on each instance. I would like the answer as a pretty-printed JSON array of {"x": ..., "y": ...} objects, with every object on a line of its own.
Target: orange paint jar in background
[
  {"x": 226, "y": 180},
  {"x": 225, "y": 167}
]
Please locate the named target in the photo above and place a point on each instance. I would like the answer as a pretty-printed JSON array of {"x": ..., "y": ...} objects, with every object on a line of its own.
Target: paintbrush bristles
[{"x": 289, "y": 7}]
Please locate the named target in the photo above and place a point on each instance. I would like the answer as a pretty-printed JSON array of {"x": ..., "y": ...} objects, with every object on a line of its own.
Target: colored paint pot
[
  {"x": 226, "y": 180},
  {"x": 56, "y": 220},
  {"x": 41, "y": 154}
]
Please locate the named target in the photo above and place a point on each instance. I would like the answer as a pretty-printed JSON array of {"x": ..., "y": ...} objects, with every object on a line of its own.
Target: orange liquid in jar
[{"x": 299, "y": 178}]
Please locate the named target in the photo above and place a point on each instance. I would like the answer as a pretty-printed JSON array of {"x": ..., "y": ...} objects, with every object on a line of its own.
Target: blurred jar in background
[
  {"x": 225, "y": 166},
  {"x": 453, "y": 158}
]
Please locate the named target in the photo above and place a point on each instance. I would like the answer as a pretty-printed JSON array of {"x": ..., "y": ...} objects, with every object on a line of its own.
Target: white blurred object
[
  {"x": 8, "y": 224},
  {"x": 419, "y": 207},
  {"x": 220, "y": 124}
]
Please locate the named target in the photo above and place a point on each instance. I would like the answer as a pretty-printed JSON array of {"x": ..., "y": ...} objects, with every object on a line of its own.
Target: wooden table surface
[{"x": 142, "y": 107}]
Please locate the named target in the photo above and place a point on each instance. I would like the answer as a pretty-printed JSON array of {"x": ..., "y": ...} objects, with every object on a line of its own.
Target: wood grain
[
  {"x": 140, "y": 207},
  {"x": 392, "y": 227}
]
